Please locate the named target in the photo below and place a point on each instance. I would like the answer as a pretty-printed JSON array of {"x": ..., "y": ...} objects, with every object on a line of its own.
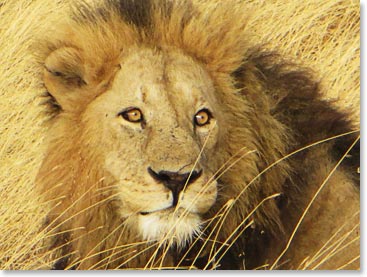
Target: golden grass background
[{"x": 323, "y": 35}]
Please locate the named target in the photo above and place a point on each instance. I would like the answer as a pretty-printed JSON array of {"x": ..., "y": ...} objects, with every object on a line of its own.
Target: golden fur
[{"x": 249, "y": 87}]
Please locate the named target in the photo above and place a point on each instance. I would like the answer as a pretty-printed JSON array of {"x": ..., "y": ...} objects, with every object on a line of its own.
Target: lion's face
[{"x": 157, "y": 128}]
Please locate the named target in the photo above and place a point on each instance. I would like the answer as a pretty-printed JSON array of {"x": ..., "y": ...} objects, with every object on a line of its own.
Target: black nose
[{"x": 175, "y": 181}]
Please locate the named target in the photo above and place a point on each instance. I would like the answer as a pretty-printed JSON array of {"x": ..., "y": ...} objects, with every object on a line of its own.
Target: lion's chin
[{"x": 169, "y": 226}]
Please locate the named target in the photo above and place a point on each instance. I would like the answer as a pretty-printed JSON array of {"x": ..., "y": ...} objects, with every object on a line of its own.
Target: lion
[{"x": 173, "y": 143}]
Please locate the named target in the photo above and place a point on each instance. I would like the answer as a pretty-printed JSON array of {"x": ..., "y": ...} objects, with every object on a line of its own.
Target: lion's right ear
[{"x": 64, "y": 75}]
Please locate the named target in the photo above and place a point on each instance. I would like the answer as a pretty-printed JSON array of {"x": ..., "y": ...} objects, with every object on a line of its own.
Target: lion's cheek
[
  {"x": 200, "y": 199},
  {"x": 120, "y": 166}
]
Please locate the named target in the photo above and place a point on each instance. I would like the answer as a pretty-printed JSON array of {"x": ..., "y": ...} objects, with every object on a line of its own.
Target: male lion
[{"x": 174, "y": 144}]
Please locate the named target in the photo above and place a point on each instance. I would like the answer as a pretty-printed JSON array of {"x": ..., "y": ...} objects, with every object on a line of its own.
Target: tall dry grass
[{"x": 323, "y": 35}]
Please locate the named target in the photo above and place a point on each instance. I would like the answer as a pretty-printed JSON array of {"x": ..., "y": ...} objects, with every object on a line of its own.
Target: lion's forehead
[{"x": 150, "y": 75}]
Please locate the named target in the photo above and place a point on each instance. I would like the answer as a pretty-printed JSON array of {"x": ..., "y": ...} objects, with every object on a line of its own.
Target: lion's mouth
[
  {"x": 170, "y": 208},
  {"x": 166, "y": 211}
]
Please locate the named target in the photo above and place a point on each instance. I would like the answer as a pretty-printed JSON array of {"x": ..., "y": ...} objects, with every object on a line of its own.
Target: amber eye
[
  {"x": 202, "y": 117},
  {"x": 132, "y": 115}
]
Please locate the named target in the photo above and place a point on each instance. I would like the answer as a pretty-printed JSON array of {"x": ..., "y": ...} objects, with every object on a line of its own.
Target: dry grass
[{"x": 321, "y": 34}]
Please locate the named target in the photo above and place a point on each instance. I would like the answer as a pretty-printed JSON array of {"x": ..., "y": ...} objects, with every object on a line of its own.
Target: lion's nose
[{"x": 175, "y": 181}]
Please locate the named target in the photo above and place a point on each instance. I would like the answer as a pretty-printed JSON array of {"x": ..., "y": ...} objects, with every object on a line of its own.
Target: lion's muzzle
[{"x": 174, "y": 181}]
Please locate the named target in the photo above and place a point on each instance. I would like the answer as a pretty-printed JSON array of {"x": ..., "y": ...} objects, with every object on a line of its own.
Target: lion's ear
[{"x": 64, "y": 75}]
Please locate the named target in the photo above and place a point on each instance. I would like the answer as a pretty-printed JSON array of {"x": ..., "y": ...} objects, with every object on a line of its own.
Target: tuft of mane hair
[{"x": 271, "y": 104}]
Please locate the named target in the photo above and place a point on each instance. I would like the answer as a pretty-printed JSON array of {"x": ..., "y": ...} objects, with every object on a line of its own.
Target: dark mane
[
  {"x": 295, "y": 100},
  {"x": 136, "y": 12},
  {"x": 293, "y": 97}
]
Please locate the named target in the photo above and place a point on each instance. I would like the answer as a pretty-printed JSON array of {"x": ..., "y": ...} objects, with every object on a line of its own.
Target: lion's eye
[
  {"x": 202, "y": 117},
  {"x": 132, "y": 115}
]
